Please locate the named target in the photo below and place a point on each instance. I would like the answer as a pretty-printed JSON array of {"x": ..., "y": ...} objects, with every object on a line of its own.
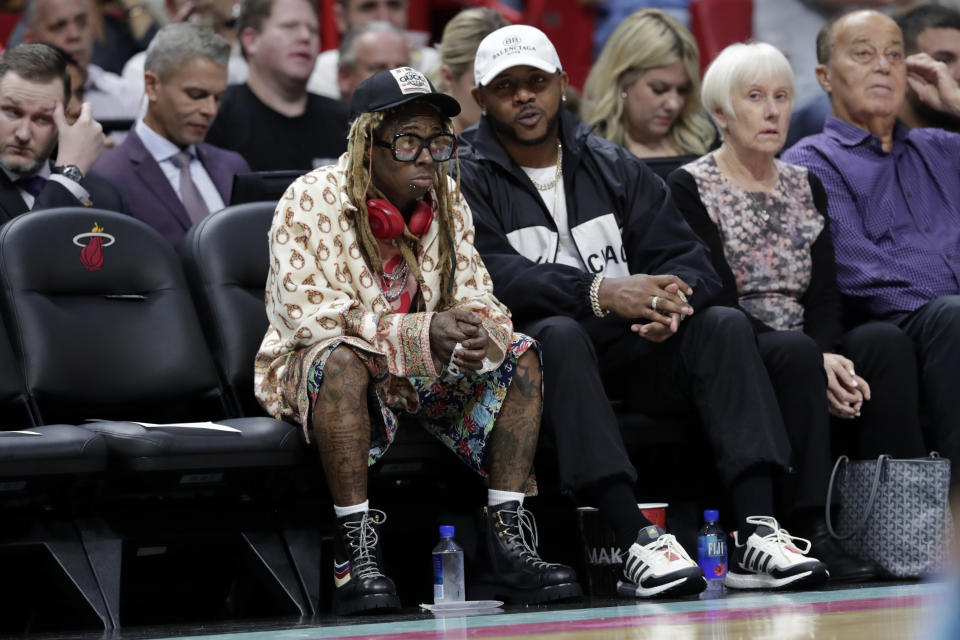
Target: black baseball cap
[{"x": 393, "y": 87}]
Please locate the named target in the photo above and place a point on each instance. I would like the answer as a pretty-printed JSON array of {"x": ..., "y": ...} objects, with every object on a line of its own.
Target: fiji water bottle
[
  {"x": 447, "y": 568},
  {"x": 712, "y": 550}
]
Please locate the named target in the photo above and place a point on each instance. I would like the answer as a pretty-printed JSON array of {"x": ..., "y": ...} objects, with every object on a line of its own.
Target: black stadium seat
[
  {"x": 226, "y": 258},
  {"x": 261, "y": 186},
  {"x": 105, "y": 332},
  {"x": 118, "y": 342},
  {"x": 46, "y": 474}
]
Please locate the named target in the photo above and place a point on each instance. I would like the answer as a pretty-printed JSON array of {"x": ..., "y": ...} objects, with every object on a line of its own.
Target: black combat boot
[
  {"x": 358, "y": 580},
  {"x": 508, "y": 566}
]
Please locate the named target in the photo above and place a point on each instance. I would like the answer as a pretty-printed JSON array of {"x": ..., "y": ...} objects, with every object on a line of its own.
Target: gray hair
[
  {"x": 827, "y": 35},
  {"x": 740, "y": 63},
  {"x": 348, "y": 49},
  {"x": 181, "y": 42},
  {"x": 31, "y": 8}
]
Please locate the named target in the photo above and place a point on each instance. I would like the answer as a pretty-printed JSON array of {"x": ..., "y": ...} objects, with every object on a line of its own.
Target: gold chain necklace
[{"x": 556, "y": 176}]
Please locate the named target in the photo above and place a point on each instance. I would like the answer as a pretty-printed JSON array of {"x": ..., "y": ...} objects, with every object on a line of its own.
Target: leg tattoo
[
  {"x": 514, "y": 439},
  {"x": 341, "y": 425}
]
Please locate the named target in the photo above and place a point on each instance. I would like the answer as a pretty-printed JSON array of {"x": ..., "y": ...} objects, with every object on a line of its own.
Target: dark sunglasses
[{"x": 406, "y": 147}]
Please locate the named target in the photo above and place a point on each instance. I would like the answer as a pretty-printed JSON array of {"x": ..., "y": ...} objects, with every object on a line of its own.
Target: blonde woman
[
  {"x": 643, "y": 92},
  {"x": 458, "y": 48}
]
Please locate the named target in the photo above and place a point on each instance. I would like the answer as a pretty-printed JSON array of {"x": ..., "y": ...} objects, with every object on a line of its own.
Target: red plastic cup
[{"x": 655, "y": 512}]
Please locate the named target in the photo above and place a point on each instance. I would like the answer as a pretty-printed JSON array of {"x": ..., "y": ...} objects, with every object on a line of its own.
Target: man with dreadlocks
[{"x": 378, "y": 303}]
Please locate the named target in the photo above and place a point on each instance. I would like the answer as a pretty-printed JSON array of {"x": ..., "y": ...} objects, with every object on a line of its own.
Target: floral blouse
[{"x": 766, "y": 237}]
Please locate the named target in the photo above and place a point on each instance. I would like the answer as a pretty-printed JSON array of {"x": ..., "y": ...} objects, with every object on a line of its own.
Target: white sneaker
[
  {"x": 773, "y": 559},
  {"x": 657, "y": 565}
]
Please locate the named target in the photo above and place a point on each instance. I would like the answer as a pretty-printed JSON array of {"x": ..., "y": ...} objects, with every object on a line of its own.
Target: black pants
[
  {"x": 935, "y": 331},
  {"x": 712, "y": 365},
  {"x": 576, "y": 411},
  {"x": 889, "y": 423},
  {"x": 794, "y": 363}
]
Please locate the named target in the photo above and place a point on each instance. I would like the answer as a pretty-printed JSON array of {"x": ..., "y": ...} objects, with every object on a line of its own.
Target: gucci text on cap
[{"x": 410, "y": 80}]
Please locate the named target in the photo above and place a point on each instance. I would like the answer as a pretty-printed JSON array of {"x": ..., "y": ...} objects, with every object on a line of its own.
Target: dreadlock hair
[{"x": 360, "y": 187}]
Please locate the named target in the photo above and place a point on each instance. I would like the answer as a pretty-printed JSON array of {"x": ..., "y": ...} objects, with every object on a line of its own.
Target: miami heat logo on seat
[{"x": 91, "y": 255}]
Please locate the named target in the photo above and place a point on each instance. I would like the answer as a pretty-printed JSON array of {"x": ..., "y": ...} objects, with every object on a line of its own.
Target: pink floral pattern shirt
[{"x": 767, "y": 238}]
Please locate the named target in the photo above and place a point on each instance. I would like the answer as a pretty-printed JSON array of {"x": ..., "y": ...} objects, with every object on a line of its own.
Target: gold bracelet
[{"x": 595, "y": 297}]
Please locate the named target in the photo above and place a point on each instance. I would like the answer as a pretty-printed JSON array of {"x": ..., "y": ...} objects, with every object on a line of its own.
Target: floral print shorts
[{"x": 460, "y": 413}]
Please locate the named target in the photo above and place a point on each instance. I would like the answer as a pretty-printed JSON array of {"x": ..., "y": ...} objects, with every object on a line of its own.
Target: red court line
[{"x": 715, "y": 615}]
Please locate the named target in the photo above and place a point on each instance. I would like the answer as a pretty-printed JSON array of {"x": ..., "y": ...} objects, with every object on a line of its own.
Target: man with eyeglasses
[
  {"x": 894, "y": 200},
  {"x": 380, "y": 305}
]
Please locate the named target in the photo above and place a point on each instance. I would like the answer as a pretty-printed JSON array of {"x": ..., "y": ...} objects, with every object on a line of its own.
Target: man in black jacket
[{"x": 586, "y": 248}]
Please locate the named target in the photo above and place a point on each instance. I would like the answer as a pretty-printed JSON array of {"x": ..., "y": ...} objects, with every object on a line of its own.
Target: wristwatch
[{"x": 71, "y": 171}]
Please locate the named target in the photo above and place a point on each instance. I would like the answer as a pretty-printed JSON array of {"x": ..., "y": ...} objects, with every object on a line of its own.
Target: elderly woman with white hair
[{"x": 766, "y": 224}]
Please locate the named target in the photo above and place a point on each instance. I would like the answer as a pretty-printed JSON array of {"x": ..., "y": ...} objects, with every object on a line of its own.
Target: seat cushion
[
  {"x": 59, "y": 449},
  {"x": 258, "y": 442}
]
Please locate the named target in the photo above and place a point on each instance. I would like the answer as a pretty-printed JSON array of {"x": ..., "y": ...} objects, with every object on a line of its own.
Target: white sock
[
  {"x": 495, "y": 497},
  {"x": 354, "y": 508}
]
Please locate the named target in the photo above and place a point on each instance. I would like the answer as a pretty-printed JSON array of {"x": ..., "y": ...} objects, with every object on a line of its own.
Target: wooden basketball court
[{"x": 873, "y": 612}]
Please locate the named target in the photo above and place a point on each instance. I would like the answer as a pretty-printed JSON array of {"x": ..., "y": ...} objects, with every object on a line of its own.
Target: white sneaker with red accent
[
  {"x": 657, "y": 565},
  {"x": 773, "y": 559}
]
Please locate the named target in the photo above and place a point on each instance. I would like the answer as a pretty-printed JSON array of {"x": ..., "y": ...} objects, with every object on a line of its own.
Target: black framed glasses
[{"x": 406, "y": 147}]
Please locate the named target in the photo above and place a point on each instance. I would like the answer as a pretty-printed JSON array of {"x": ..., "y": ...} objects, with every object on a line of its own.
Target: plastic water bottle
[
  {"x": 712, "y": 550},
  {"x": 447, "y": 568}
]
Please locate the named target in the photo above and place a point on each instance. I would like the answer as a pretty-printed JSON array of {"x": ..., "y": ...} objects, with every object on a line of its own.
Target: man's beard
[
  {"x": 931, "y": 117},
  {"x": 28, "y": 167},
  {"x": 505, "y": 129},
  {"x": 23, "y": 168}
]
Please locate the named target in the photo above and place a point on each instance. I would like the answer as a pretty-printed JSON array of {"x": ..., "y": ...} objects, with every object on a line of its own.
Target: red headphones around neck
[{"x": 387, "y": 222}]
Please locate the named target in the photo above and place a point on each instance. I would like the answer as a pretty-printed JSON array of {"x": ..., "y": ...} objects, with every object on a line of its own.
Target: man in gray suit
[
  {"x": 167, "y": 175},
  {"x": 34, "y": 89}
]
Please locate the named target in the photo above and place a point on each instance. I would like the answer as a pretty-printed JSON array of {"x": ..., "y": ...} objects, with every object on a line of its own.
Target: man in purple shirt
[{"x": 894, "y": 198}]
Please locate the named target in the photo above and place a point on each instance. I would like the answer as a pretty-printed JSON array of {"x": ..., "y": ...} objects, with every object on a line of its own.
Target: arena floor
[{"x": 878, "y": 611}]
